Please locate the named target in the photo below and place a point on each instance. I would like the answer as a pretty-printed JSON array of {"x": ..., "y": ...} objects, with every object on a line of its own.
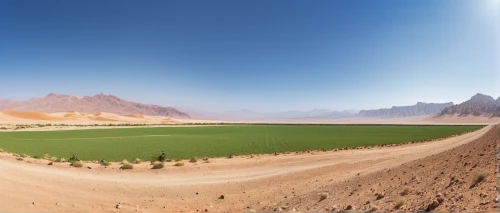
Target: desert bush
[
  {"x": 24, "y": 155},
  {"x": 193, "y": 160},
  {"x": 19, "y": 158},
  {"x": 158, "y": 165},
  {"x": 137, "y": 161},
  {"x": 76, "y": 164},
  {"x": 61, "y": 160},
  {"x": 162, "y": 156},
  {"x": 479, "y": 177},
  {"x": 53, "y": 159},
  {"x": 127, "y": 166},
  {"x": 399, "y": 204},
  {"x": 179, "y": 164},
  {"x": 125, "y": 161},
  {"x": 36, "y": 157},
  {"x": 230, "y": 156},
  {"x": 104, "y": 163},
  {"x": 73, "y": 158},
  {"x": 1, "y": 150}
]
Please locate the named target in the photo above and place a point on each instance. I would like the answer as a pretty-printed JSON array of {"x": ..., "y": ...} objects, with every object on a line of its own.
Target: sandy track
[{"x": 251, "y": 183}]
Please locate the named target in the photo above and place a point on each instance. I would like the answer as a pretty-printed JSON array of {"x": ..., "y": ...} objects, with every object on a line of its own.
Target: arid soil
[
  {"x": 266, "y": 182},
  {"x": 441, "y": 182}
]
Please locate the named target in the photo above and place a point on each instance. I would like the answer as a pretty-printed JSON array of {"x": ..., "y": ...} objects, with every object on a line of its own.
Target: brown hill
[
  {"x": 405, "y": 111},
  {"x": 98, "y": 103},
  {"x": 478, "y": 105}
]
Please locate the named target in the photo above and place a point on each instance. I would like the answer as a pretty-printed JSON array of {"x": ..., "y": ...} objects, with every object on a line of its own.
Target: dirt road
[{"x": 246, "y": 183}]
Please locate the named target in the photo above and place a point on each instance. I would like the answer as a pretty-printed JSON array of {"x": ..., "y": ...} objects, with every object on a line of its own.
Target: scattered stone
[
  {"x": 348, "y": 207},
  {"x": 434, "y": 204},
  {"x": 118, "y": 206},
  {"x": 379, "y": 196},
  {"x": 221, "y": 197}
]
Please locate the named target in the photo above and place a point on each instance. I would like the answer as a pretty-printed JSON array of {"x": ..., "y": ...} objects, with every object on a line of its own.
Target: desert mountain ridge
[
  {"x": 418, "y": 109},
  {"x": 477, "y": 105},
  {"x": 90, "y": 104}
]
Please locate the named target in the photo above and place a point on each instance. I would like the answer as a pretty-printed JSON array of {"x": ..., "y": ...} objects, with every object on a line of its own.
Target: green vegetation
[
  {"x": 127, "y": 166},
  {"x": 158, "y": 165},
  {"x": 137, "y": 161},
  {"x": 212, "y": 141},
  {"x": 104, "y": 163},
  {"x": 76, "y": 164}
]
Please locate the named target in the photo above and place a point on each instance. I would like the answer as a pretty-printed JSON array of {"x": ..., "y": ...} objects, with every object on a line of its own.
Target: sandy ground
[{"x": 248, "y": 184}]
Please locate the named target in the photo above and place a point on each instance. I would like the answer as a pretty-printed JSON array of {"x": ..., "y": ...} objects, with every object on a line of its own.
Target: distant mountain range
[
  {"x": 418, "y": 109},
  {"x": 90, "y": 104},
  {"x": 478, "y": 105},
  {"x": 245, "y": 114}
]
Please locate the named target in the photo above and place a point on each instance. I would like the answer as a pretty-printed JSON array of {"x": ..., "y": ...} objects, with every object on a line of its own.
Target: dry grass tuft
[
  {"x": 179, "y": 164},
  {"x": 137, "y": 161},
  {"x": 158, "y": 165},
  {"x": 405, "y": 191},
  {"x": 127, "y": 166},
  {"x": 480, "y": 176},
  {"x": 77, "y": 164}
]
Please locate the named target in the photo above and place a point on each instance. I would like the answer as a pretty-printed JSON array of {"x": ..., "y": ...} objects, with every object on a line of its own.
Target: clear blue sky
[{"x": 260, "y": 55}]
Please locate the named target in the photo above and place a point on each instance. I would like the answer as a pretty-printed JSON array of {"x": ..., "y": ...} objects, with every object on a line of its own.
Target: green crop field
[{"x": 212, "y": 141}]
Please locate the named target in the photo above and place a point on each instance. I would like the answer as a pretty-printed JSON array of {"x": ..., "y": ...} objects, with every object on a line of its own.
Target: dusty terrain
[{"x": 289, "y": 181}]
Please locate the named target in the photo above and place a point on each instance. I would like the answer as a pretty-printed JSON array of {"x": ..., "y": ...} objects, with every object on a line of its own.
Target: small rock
[
  {"x": 434, "y": 204},
  {"x": 380, "y": 196},
  {"x": 206, "y": 210},
  {"x": 439, "y": 195},
  {"x": 348, "y": 207},
  {"x": 221, "y": 197},
  {"x": 495, "y": 200},
  {"x": 118, "y": 206}
]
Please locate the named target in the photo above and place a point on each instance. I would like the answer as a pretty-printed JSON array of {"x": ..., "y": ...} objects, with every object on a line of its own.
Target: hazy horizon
[{"x": 268, "y": 56}]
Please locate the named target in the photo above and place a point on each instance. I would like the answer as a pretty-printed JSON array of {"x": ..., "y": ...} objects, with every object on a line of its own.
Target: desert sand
[{"x": 264, "y": 182}]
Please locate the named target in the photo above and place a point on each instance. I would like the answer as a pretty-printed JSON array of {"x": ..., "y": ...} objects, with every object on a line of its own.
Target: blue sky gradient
[{"x": 260, "y": 55}]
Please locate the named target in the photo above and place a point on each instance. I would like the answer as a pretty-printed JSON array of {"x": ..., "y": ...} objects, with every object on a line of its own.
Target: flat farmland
[{"x": 212, "y": 141}]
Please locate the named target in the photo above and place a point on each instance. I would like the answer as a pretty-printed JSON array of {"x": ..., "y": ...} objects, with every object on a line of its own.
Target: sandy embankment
[{"x": 246, "y": 183}]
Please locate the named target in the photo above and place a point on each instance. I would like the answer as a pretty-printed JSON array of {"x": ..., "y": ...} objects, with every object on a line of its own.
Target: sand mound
[
  {"x": 32, "y": 115},
  {"x": 102, "y": 119},
  {"x": 136, "y": 116}
]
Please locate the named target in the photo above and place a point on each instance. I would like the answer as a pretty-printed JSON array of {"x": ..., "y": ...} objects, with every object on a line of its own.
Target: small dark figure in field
[
  {"x": 162, "y": 157},
  {"x": 74, "y": 158}
]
